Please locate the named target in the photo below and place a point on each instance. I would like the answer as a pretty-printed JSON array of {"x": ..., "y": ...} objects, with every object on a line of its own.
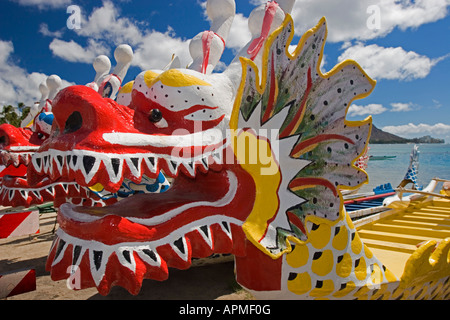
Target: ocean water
[{"x": 434, "y": 161}]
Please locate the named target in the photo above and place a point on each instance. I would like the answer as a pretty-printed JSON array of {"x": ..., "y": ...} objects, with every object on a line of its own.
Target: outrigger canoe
[{"x": 382, "y": 157}]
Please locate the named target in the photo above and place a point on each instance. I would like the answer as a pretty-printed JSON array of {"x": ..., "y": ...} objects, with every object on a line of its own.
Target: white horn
[
  {"x": 102, "y": 65},
  {"x": 123, "y": 55},
  {"x": 221, "y": 13},
  {"x": 54, "y": 84},
  {"x": 207, "y": 47}
]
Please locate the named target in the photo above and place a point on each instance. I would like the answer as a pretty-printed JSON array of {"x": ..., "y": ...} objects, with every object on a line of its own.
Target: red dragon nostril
[{"x": 73, "y": 123}]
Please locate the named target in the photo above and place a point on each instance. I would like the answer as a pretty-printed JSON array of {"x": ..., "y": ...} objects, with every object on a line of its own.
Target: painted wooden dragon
[{"x": 258, "y": 156}]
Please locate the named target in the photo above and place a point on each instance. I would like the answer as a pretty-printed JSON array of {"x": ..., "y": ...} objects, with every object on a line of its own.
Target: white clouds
[
  {"x": 350, "y": 19},
  {"x": 44, "y": 30},
  {"x": 156, "y": 50},
  {"x": 418, "y": 130},
  {"x": 104, "y": 24},
  {"x": 374, "y": 109},
  {"x": 16, "y": 84},
  {"x": 45, "y": 4},
  {"x": 401, "y": 107},
  {"x": 105, "y": 29},
  {"x": 390, "y": 63},
  {"x": 371, "y": 109},
  {"x": 73, "y": 52}
]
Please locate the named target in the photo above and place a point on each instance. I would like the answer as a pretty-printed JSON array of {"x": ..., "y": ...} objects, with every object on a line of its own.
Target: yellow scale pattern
[{"x": 335, "y": 263}]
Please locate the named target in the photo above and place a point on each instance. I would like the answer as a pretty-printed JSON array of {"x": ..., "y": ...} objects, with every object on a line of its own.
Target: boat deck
[{"x": 393, "y": 239}]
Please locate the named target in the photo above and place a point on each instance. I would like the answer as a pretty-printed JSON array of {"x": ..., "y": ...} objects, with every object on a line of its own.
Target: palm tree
[{"x": 9, "y": 114}]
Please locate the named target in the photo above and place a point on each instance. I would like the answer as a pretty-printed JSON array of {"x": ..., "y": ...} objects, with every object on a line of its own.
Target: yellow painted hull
[{"x": 414, "y": 244}]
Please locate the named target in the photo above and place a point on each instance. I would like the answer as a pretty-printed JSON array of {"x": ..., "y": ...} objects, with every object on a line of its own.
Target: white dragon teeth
[
  {"x": 56, "y": 163},
  {"x": 100, "y": 253},
  {"x": 14, "y": 193},
  {"x": 205, "y": 232},
  {"x": 180, "y": 248},
  {"x": 15, "y": 158}
]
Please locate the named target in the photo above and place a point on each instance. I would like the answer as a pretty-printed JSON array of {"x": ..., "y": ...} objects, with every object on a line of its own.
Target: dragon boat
[
  {"x": 258, "y": 156},
  {"x": 360, "y": 205}
]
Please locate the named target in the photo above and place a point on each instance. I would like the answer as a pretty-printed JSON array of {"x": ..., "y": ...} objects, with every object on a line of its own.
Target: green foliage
[{"x": 9, "y": 114}]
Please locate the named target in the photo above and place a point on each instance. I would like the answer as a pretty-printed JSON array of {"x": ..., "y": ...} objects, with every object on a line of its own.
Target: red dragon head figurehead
[
  {"x": 17, "y": 148},
  {"x": 176, "y": 124}
]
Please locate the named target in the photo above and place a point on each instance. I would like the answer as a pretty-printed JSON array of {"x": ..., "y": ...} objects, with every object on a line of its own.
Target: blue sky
[{"x": 404, "y": 45}]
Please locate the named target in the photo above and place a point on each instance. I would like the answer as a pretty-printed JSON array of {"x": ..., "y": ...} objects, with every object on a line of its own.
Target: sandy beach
[{"x": 213, "y": 282}]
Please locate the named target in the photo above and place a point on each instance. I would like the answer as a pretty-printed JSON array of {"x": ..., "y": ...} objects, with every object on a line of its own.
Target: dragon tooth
[
  {"x": 98, "y": 260},
  {"x": 60, "y": 250},
  {"x": 88, "y": 163},
  {"x": 46, "y": 164},
  {"x": 51, "y": 190},
  {"x": 134, "y": 164},
  {"x": 89, "y": 166},
  {"x": 180, "y": 248},
  {"x": 151, "y": 163},
  {"x": 11, "y": 195},
  {"x": 226, "y": 227},
  {"x": 36, "y": 194},
  {"x": 126, "y": 258},
  {"x": 116, "y": 164},
  {"x": 206, "y": 234},
  {"x": 173, "y": 166},
  {"x": 37, "y": 163},
  {"x": 4, "y": 194},
  {"x": 77, "y": 250},
  {"x": 114, "y": 168},
  {"x": 24, "y": 194},
  {"x": 149, "y": 256},
  {"x": 74, "y": 163},
  {"x": 205, "y": 163},
  {"x": 190, "y": 168},
  {"x": 59, "y": 160}
]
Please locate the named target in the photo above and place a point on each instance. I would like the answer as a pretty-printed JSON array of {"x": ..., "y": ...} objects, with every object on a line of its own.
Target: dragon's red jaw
[{"x": 142, "y": 236}]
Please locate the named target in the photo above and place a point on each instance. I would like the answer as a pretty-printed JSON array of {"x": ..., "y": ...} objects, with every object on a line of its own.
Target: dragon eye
[{"x": 155, "y": 116}]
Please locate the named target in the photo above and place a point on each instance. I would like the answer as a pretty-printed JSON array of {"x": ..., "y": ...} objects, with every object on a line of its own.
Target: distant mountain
[{"x": 381, "y": 137}]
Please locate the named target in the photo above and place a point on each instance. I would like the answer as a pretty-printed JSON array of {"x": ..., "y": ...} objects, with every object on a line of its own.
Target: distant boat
[{"x": 382, "y": 157}]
